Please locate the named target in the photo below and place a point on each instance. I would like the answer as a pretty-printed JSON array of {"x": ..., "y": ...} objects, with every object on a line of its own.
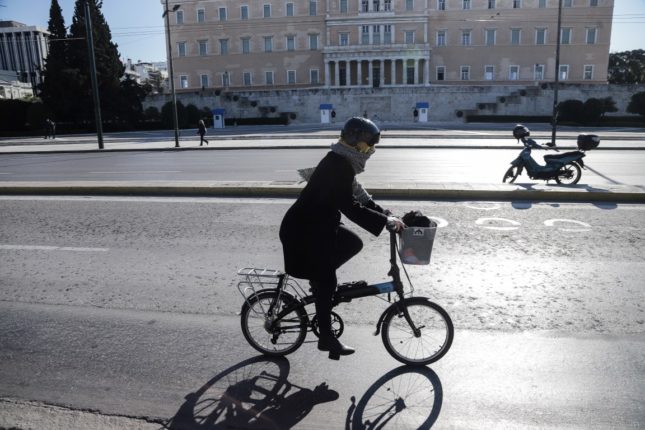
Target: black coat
[{"x": 308, "y": 230}]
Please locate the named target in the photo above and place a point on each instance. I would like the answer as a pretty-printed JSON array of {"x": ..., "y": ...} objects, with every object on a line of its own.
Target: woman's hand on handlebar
[{"x": 394, "y": 224}]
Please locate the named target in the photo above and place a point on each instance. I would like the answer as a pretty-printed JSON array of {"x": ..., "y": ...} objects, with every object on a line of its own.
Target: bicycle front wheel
[
  {"x": 434, "y": 337},
  {"x": 264, "y": 333}
]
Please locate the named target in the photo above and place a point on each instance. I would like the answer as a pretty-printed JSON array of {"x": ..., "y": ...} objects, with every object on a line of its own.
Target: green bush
[{"x": 637, "y": 104}]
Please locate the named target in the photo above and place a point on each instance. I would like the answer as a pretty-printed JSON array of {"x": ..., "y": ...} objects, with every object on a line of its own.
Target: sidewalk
[{"x": 321, "y": 136}]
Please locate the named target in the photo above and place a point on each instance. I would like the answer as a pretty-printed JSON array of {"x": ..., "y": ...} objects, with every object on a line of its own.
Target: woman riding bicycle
[{"x": 315, "y": 242}]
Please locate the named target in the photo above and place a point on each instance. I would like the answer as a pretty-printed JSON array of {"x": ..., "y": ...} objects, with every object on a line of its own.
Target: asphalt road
[
  {"x": 127, "y": 307},
  {"x": 390, "y": 165}
]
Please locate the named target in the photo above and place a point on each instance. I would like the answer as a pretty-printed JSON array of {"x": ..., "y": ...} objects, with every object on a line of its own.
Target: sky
[{"x": 138, "y": 28}]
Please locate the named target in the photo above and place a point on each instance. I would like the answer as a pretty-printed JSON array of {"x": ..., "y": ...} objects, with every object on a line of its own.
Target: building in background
[
  {"x": 23, "y": 51},
  {"x": 153, "y": 73},
  {"x": 278, "y": 44}
]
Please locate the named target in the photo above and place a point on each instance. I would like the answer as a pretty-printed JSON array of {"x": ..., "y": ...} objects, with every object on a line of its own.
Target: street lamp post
[
  {"x": 166, "y": 14},
  {"x": 554, "y": 119}
]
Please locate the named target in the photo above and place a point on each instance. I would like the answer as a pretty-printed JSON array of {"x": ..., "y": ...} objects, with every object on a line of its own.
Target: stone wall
[{"x": 447, "y": 102}]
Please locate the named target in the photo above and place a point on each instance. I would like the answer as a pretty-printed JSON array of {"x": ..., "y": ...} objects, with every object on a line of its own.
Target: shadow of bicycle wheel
[{"x": 404, "y": 398}]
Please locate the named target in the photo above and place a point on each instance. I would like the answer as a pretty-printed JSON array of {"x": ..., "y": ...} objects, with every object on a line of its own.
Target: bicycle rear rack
[{"x": 255, "y": 279}]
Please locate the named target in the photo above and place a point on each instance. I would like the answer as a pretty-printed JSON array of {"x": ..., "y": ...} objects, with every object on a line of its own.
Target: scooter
[{"x": 565, "y": 168}]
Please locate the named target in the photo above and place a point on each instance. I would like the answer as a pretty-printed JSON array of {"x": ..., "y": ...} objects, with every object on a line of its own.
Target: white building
[{"x": 23, "y": 50}]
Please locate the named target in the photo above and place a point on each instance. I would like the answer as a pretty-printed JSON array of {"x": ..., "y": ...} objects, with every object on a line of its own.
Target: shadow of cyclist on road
[{"x": 254, "y": 394}]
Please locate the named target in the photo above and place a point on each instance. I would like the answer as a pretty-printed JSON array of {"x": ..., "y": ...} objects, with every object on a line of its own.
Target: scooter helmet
[
  {"x": 521, "y": 131},
  {"x": 359, "y": 129}
]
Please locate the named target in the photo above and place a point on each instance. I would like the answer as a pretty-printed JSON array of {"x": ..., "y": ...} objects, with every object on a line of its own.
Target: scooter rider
[{"x": 315, "y": 242}]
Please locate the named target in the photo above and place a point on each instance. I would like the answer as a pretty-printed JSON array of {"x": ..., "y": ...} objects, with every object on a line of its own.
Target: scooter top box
[{"x": 588, "y": 141}]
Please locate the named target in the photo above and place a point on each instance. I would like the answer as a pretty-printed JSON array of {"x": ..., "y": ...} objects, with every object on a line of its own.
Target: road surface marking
[
  {"x": 50, "y": 248},
  {"x": 483, "y": 207},
  {"x": 552, "y": 222},
  {"x": 482, "y": 221},
  {"x": 440, "y": 221}
]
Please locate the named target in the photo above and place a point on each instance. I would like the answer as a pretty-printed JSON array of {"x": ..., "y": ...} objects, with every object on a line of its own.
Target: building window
[
  {"x": 588, "y": 73},
  {"x": 365, "y": 34},
  {"x": 183, "y": 81},
  {"x": 246, "y": 78},
  {"x": 291, "y": 43},
  {"x": 268, "y": 78},
  {"x": 540, "y": 36},
  {"x": 313, "y": 42},
  {"x": 542, "y": 4},
  {"x": 314, "y": 76},
  {"x": 343, "y": 6},
  {"x": 516, "y": 34},
  {"x": 514, "y": 73},
  {"x": 489, "y": 73},
  {"x": 203, "y": 79},
  {"x": 517, "y": 4},
  {"x": 567, "y": 3},
  {"x": 244, "y": 12},
  {"x": 465, "y": 73},
  {"x": 441, "y": 4},
  {"x": 266, "y": 11},
  {"x": 365, "y": 5},
  {"x": 441, "y": 38},
  {"x": 441, "y": 73},
  {"x": 591, "y": 36},
  {"x": 376, "y": 34},
  {"x": 490, "y": 37},
  {"x": 222, "y": 14},
  {"x": 181, "y": 49},
  {"x": 538, "y": 72},
  {"x": 409, "y": 74},
  {"x": 343, "y": 39},
  {"x": 291, "y": 77},
  {"x": 409, "y": 4},
  {"x": 409, "y": 37},
  {"x": 268, "y": 44},
  {"x": 564, "y": 72},
  {"x": 465, "y": 4},
  {"x": 223, "y": 46},
  {"x": 201, "y": 15},
  {"x": 387, "y": 34},
  {"x": 179, "y": 15},
  {"x": 565, "y": 36},
  {"x": 491, "y": 4},
  {"x": 203, "y": 47},
  {"x": 376, "y": 5},
  {"x": 387, "y": 5},
  {"x": 246, "y": 45},
  {"x": 465, "y": 37},
  {"x": 289, "y": 9},
  {"x": 226, "y": 79},
  {"x": 593, "y": 3}
]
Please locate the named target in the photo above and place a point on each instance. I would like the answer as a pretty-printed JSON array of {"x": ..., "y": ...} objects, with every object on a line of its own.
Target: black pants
[
  {"x": 348, "y": 244},
  {"x": 201, "y": 139}
]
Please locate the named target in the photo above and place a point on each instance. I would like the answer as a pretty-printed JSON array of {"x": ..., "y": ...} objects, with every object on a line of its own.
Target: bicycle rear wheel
[
  {"x": 436, "y": 332},
  {"x": 262, "y": 332}
]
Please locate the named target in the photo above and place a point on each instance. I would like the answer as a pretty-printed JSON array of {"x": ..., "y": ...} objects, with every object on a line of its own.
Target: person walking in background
[
  {"x": 201, "y": 129},
  {"x": 52, "y": 129}
]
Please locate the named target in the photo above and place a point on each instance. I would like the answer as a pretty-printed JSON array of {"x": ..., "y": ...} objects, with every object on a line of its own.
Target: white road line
[
  {"x": 50, "y": 248},
  {"x": 128, "y": 172}
]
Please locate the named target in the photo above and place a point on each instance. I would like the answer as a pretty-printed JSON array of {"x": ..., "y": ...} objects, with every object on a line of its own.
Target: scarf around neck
[{"x": 355, "y": 158}]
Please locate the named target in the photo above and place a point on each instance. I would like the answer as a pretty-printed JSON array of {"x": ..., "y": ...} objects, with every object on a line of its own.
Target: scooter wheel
[
  {"x": 569, "y": 174},
  {"x": 511, "y": 174}
]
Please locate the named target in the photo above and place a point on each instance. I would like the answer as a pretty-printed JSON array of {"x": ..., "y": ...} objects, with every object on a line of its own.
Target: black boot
[{"x": 335, "y": 347}]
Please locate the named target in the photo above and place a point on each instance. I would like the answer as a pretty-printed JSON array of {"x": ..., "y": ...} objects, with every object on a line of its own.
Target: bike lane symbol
[
  {"x": 485, "y": 223},
  {"x": 583, "y": 225}
]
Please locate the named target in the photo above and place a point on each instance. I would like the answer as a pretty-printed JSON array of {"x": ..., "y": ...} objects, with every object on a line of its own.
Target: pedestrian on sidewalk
[
  {"x": 50, "y": 129},
  {"x": 201, "y": 129}
]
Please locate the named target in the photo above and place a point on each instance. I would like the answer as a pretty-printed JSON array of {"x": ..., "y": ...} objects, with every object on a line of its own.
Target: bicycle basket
[{"x": 415, "y": 244}]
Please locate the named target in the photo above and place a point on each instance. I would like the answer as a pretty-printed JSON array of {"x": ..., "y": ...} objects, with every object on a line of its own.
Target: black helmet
[
  {"x": 521, "y": 131},
  {"x": 359, "y": 129}
]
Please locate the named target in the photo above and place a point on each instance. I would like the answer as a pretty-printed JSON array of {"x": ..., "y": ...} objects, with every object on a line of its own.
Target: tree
[
  {"x": 166, "y": 115},
  {"x": 594, "y": 109},
  {"x": 627, "y": 67},
  {"x": 57, "y": 75},
  {"x": 109, "y": 68},
  {"x": 130, "y": 109},
  {"x": 637, "y": 104}
]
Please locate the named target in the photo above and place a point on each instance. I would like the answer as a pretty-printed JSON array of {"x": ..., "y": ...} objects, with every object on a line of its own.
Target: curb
[{"x": 534, "y": 192}]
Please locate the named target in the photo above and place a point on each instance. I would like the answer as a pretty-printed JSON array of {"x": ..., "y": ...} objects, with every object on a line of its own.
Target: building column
[
  {"x": 348, "y": 75},
  {"x": 382, "y": 74},
  {"x": 359, "y": 73},
  {"x": 370, "y": 72},
  {"x": 416, "y": 71},
  {"x": 426, "y": 72},
  {"x": 336, "y": 74},
  {"x": 393, "y": 71},
  {"x": 327, "y": 77}
]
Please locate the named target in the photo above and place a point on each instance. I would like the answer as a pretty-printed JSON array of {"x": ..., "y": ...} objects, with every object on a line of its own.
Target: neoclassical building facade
[{"x": 278, "y": 44}]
